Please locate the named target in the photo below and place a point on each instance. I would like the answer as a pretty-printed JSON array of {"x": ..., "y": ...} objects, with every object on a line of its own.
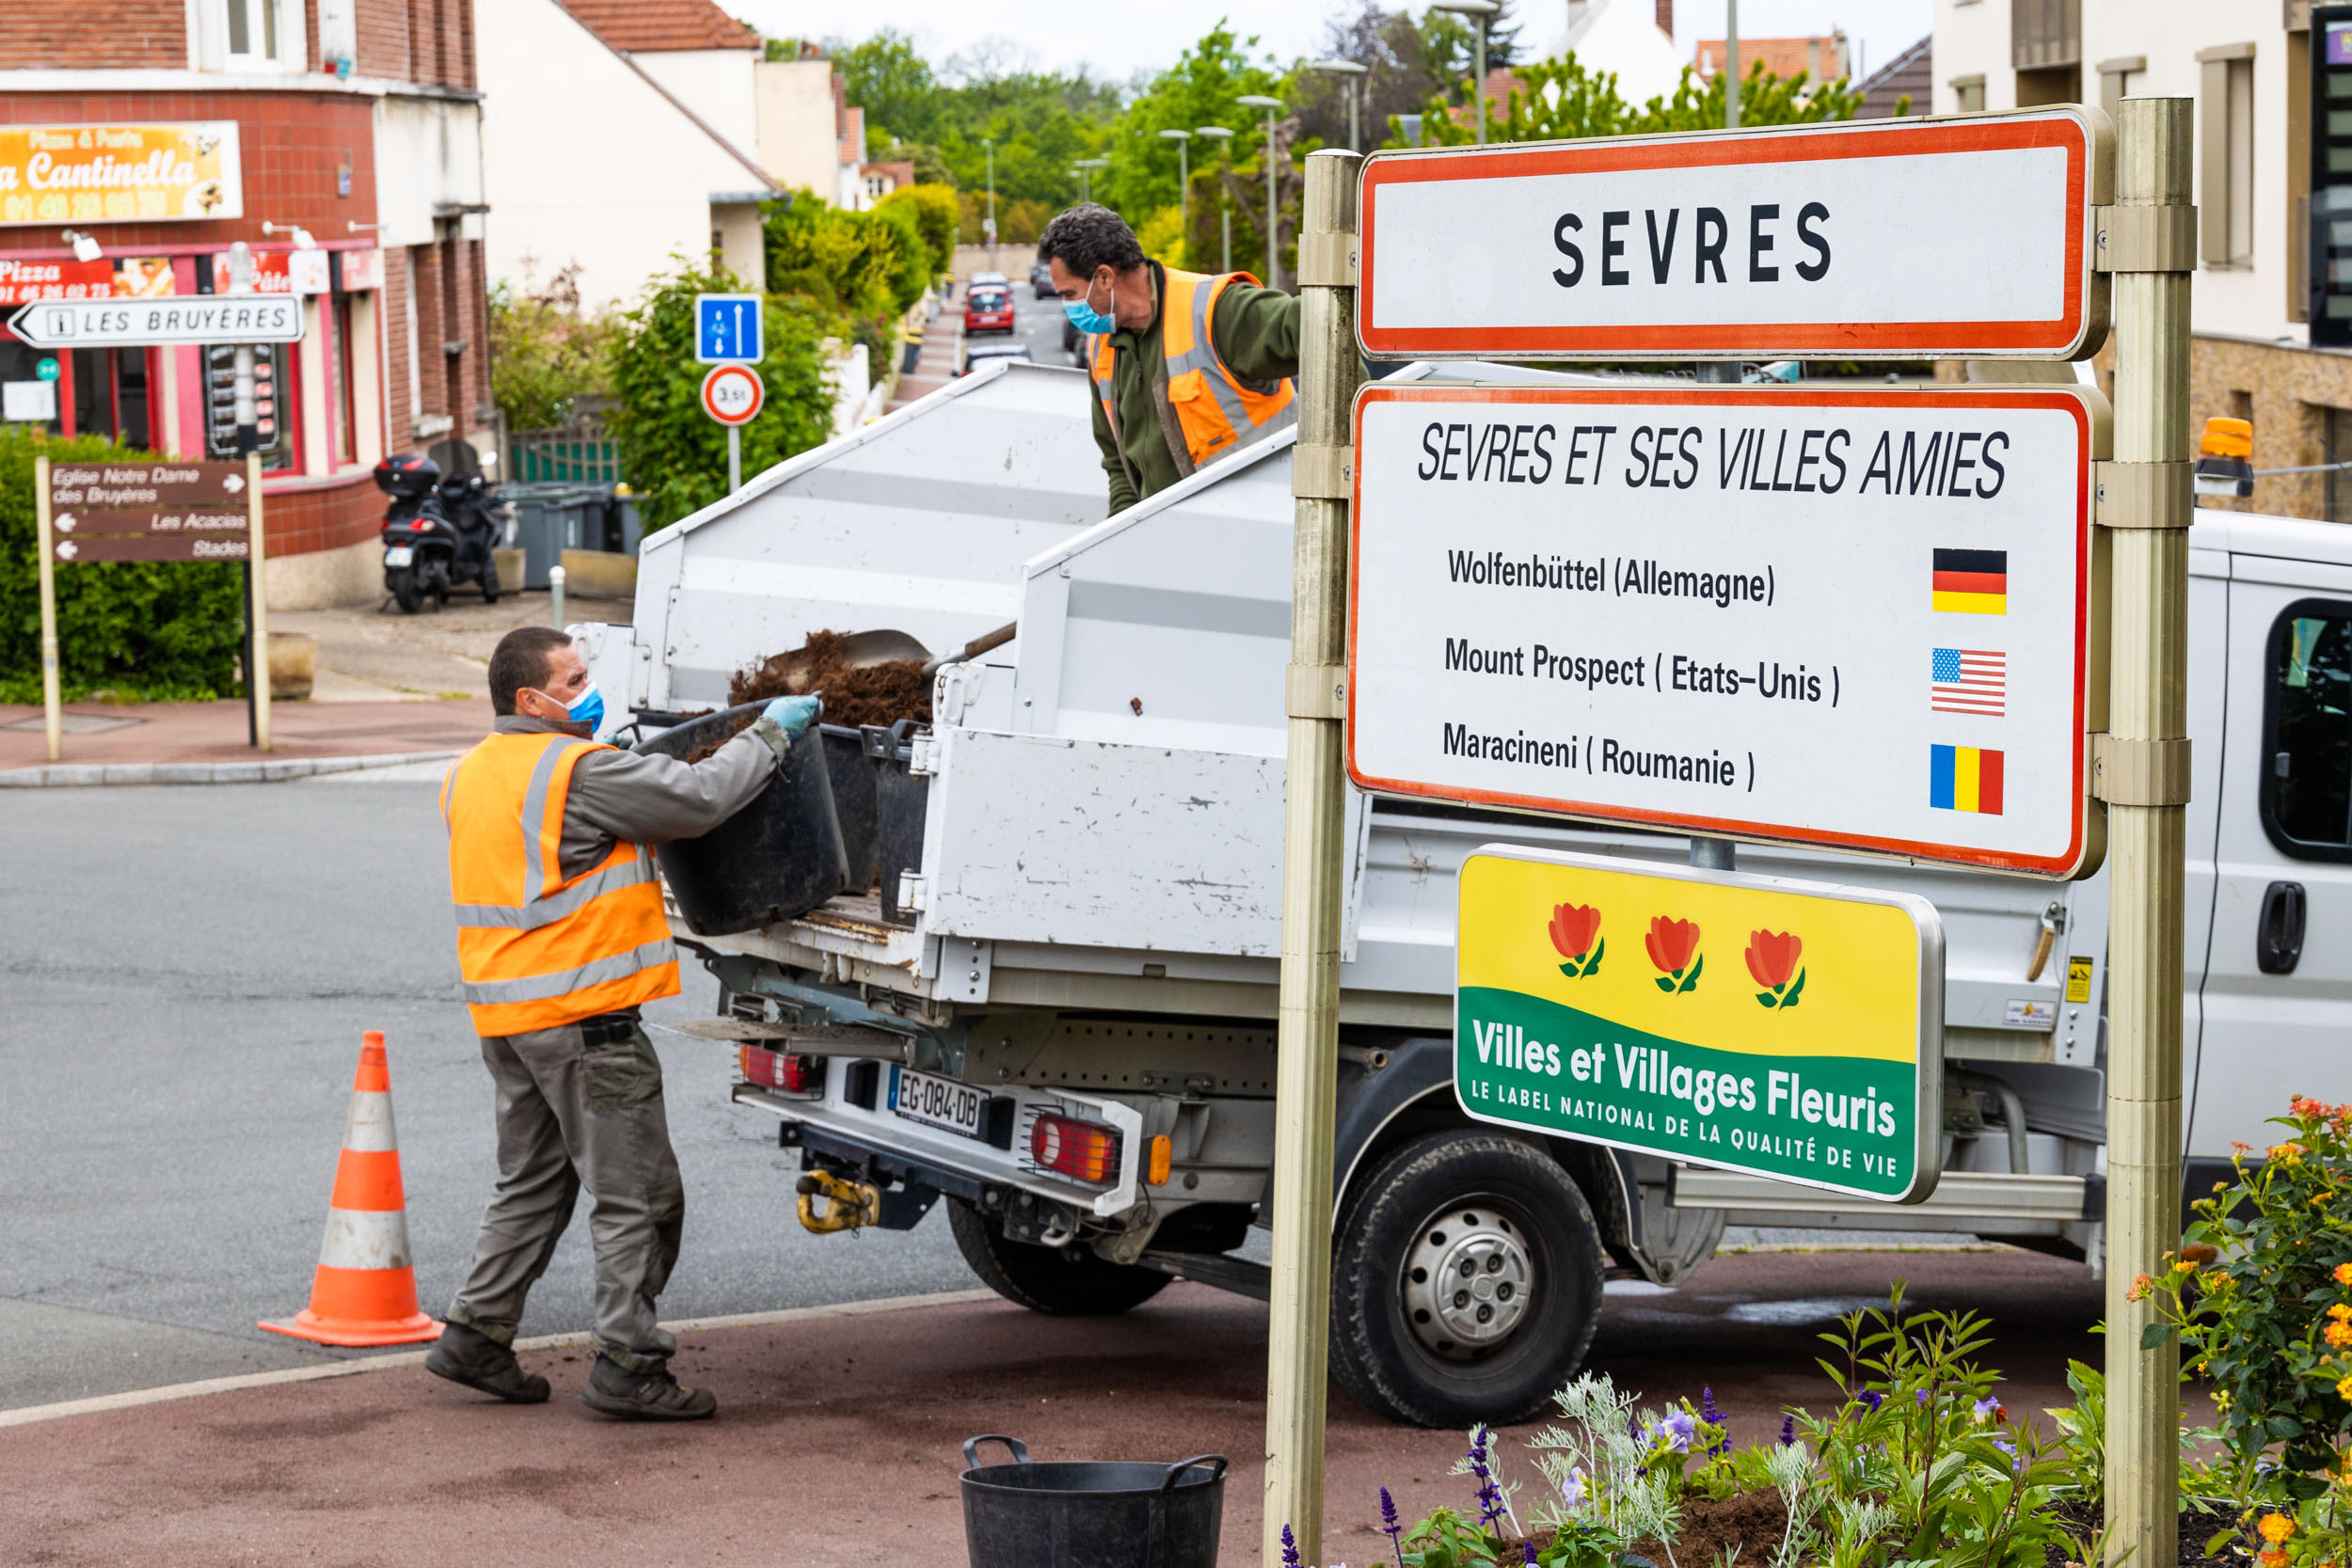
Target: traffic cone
[{"x": 366, "y": 1288}]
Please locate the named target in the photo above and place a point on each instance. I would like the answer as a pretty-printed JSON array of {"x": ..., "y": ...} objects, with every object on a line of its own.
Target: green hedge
[{"x": 146, "y": 630}]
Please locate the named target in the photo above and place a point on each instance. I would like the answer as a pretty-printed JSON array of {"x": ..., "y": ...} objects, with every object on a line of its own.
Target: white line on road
[{"x": 136, "y": 1397}]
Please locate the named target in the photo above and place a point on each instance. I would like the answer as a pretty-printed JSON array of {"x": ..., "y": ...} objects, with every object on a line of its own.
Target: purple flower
[
  {"x": 1919, "y": 1395},
  {"x": 1789, "y": 1431},
  {"x": 1872, "y": 1397},
  {"x": 1675, "y": 1431},
  {"x": 1290, "y": 1549},
  {"x": 1572, "y": 1489},
  {"x": 1490, "y": 1504},
  {"x": 1714, "y": 1417},
  {"x": 1986, "y": 1409},
  {"x": 1527, "y": 1547},
  {"x": 1389, "y": 1527}
]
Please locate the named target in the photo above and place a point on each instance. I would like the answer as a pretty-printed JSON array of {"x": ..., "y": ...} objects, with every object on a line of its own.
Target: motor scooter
[{"x": 437, "y": 532}]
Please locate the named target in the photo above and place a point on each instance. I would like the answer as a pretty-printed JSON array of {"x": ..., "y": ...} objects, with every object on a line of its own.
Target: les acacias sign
[{"x": 1786, "y": 1029}]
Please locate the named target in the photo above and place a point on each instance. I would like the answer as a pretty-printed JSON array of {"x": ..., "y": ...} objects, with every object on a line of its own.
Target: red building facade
[{"x": 340, "y": 140}]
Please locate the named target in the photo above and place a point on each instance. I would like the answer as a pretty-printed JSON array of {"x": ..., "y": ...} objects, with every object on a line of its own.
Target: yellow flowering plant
[{"x": 2260, "y": 1294}]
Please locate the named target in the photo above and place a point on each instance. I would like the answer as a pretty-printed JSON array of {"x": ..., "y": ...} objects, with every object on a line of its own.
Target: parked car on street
[
  {"x": 991, "y": 279},
  {"x": 988, "y": 307},
  {"x": 1041, "y": 280}
]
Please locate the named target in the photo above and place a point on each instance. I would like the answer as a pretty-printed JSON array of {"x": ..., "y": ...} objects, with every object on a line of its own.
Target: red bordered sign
[
  {"x": 733, "y": 394},
  {"x": 1890, "y": 239},
  {"x": 1854, "y": 619}
]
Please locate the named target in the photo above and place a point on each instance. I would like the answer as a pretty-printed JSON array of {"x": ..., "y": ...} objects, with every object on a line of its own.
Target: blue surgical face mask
[
  {"x": 587, "y": 708},
  {"x": 1085, "y": 317}
]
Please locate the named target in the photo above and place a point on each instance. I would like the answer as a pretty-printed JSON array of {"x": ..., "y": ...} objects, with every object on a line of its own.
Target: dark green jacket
[{"x": 1255, "y": 331}]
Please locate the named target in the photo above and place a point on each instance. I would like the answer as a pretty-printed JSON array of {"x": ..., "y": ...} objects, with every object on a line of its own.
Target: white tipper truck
[{"x": 1057, "y": 1014}]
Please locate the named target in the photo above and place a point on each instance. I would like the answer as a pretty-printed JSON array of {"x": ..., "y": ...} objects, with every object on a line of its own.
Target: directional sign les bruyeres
[
  {"x": 1786, "y": 1029},
  {"x": 1859, "y": 620},
  {"x": 185, "y": 319},
  {"x": 1880, "y": 238}
]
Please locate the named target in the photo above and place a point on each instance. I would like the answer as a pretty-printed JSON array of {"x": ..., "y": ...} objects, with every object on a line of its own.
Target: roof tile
[{"x": 650, "y": 26}]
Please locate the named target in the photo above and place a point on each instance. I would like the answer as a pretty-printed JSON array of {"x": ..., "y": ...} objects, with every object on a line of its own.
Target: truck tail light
[
  {"x": 782, "y": 1071},
  {"x": 1084, "y": 1150}
]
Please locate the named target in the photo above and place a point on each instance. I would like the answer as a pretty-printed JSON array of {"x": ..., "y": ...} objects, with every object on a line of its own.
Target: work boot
[
  {"x": 627, "y": 1396},
  {"x": 465, "y": 1355}
]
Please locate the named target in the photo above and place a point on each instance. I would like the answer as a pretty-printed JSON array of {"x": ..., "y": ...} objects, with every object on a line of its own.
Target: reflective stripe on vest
[
  {"x": 1218, "y": 411},
  {"x": 536, "y": 951}
]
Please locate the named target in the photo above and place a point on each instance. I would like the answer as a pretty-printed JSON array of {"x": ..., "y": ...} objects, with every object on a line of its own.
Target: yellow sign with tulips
[{"x": 1788, "y": 1029}]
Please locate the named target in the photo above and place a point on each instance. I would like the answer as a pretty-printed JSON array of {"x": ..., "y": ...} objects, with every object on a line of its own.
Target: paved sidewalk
[
  {"x": 159, "y": 734},
  {"x": 835, "y": 1445},
  {"x": 943, "y": 347}
]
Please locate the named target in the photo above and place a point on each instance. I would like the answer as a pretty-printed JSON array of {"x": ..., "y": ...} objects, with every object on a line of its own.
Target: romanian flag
[
  {"x": 1975, "y": 583},
  {"x": 1964, "y": 777}
]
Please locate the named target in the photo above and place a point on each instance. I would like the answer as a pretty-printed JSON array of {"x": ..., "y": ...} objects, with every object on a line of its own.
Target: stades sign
[{"x": 1884, "y": 239}]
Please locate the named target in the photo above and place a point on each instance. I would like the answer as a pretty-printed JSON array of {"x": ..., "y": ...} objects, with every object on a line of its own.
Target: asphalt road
[{"x": 188, "y": 973}]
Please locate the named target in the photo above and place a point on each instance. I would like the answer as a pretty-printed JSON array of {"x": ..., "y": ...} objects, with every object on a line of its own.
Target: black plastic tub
[
  {"x": 901, "y": 799},
  {"x": 779, "y": 857},
  {"x": 1090, "y": 1514},
  {"x": 852, "y": 772}
]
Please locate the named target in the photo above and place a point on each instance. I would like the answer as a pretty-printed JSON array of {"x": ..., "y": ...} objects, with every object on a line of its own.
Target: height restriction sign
[
  {"x": 1887, "y": 239},
  {"x": 1859, "y": 620}
]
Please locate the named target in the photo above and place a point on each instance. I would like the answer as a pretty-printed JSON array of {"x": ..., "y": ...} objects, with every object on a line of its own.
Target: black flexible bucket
[
  {"x": 853, "y": 803},
  {"x": 901, "y": 800},
  {"x": 779, "y": 857},
  {"x": 1093, "y": 1513}
]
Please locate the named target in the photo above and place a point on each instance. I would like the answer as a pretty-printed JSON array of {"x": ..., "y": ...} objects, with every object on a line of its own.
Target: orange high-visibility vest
[
  {"x": 535, "y": 951},
  {"x": 1217, "y": 411}
]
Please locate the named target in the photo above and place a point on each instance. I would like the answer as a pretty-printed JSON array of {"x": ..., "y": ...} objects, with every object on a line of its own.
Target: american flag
[{"x": 1970, "y": 680}]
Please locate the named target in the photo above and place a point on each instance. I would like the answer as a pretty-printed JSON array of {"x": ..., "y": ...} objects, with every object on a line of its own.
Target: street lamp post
[
  {"x": 1355, "y": 96},
  {"x": 1220, "y": 135},
  {"x": 1482, "y": 12},
  {"x": 990, "y": 142},
  {"x": 1184, "y": 179},
  {"x": 1732, "y": 65},
  {"x": 1084, "y": 168},
  {"x": 1273, "y": 209}
]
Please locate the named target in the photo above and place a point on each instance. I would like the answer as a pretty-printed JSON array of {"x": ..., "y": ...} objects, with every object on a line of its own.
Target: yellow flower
[
  {"x": 2343, "y": 1390},
  {"x": 2277, "y": 1527},
  {"x": 2183, "y": 1266},
  {"x": 2344, "y": 1273},
  {"x": 2340, "y": 1333},
  {"x": 2273, "y": 1557},
  {"x": 2341, "y": 1312}
]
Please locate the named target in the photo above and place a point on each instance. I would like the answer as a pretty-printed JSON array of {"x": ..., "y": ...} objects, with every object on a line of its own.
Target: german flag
[
  {"x": 1964, "y": 777},
  {"x": 1974, "y": 582}
]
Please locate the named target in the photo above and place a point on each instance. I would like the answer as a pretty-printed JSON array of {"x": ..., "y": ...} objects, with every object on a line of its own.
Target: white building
[
  {"x": 1632, "y": 38},
  {"x": 2249, "y": 68},
  {"x": 618, "y": 137}
]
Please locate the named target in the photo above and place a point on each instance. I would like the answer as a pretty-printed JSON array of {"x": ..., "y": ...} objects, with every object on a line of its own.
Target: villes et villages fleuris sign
[{"x": 1786, "y": 1029}]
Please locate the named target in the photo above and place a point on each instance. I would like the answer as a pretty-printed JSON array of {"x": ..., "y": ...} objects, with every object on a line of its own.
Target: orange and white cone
[{"x": 366, "y": 1289}]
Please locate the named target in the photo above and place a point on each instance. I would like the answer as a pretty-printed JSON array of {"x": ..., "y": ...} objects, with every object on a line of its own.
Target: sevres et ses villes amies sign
[{"x": 1875, "y": 239}]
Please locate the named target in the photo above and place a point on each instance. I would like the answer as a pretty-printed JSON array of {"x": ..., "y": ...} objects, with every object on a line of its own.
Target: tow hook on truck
[{"x": 849, "y": 1205}]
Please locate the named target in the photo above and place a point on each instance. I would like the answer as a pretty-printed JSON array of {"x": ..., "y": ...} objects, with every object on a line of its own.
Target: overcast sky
[{"x": 1117, "y": 37}]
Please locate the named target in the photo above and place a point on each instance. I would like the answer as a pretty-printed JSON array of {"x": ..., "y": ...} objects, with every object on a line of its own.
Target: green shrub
[
  {"x": 155, "y": 631},
  {"x": 677, "y": 454},
  {"x": 544, "y": 352},
  {"x": 871, "y": 263},
  {"x": 937, "y": 214}
]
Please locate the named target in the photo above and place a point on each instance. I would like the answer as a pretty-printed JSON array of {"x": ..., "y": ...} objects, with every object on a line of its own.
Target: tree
[
  {"x": 893, "y": 84},
  {"x": 1563, "y": 101},
  {"x": 937, "y": 216},
  {"x": 676, "y": 452},
  {"x": 1404, "y": 66},
  {"x": 1198, "y": 90},
  {"x": 543, "y": 354}
]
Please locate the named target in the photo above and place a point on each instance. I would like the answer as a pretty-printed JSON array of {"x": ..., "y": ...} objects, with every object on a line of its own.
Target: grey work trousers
[{"x": 569, "y": 1115}]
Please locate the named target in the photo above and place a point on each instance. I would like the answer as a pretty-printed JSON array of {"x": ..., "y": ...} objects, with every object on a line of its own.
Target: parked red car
[{"x": 987, "y": 310}]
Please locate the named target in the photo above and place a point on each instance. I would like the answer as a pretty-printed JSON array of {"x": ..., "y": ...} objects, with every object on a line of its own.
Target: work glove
[{"x": 793, "y": 715}]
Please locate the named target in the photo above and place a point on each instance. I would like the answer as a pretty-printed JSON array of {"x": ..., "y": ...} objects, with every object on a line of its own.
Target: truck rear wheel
[
  {"x": 1065, "y": 1282},
  {"x": 1465, "y": 1281}
]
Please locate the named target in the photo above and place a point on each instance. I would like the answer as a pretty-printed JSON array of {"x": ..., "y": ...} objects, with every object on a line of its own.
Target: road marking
[{"x": 134, "y": 1398}]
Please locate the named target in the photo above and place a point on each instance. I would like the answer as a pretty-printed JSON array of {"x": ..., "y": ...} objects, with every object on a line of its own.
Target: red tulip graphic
[
  {"x": 1673, "y": 948},
  {"x": 1573, "y": 928},
  {"x": 1773, "y": 959}
]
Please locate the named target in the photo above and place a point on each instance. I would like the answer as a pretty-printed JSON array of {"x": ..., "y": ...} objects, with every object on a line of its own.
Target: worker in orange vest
[
  {"x": 561, "y": 938},
  {"x": 1185, "y": 368}
]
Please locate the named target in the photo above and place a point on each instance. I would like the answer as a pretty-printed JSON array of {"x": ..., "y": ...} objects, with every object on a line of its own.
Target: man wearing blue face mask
[
  {"x": 561, "y": 938},
  {"x": 1185, "y": 368}
]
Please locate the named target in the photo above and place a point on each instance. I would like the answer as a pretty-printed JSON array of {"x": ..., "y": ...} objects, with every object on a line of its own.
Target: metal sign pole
[
  {"x": 1315, "y": 851},
  {"x": 735, "y": 458},
  {"x": 257, "y": 613},
  {"x": 52, "y": 706},
  {"x": 2140, "y": 767}
]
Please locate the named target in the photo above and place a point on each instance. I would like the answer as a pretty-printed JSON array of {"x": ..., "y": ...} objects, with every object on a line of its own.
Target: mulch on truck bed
[{"x": 836, "y": 1439}]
